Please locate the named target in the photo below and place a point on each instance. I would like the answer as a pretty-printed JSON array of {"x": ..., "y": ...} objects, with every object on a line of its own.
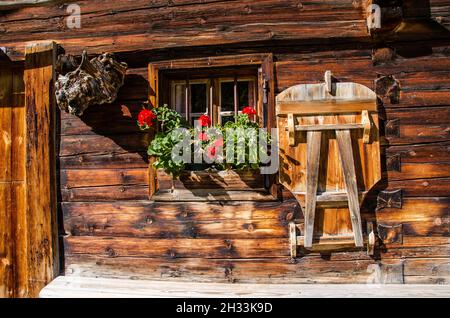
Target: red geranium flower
[
  {"x": 203, "y": 136},
  {"x": 145, "y": 118},
  {"x": 249, "y": 110},
  {"x": 204, "y": 120},
  {"x": 218, "y": 142},
  {"x": 211, "y": 152}
]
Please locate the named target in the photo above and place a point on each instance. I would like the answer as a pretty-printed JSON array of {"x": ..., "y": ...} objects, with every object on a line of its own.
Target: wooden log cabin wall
[{"x": 108, "y": 225}]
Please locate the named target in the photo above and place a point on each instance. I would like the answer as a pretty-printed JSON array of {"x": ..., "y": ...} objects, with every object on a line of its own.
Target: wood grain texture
[
  {"x": 13, "y": 246},
  {"x": 40, "y": 169},
  {"x": 344, "y": 141},
  {"x": 102, "y": 154},
  {"x": 182, "y": 24},
  {"x": 116, "y": 288},
  {"x": 312, "y": 180}
]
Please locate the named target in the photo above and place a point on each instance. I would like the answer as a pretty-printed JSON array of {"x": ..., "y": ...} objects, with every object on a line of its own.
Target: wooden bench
[{"x": 86, "y": 287}]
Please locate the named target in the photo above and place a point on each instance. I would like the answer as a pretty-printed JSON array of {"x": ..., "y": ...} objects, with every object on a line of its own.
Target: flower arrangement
[{"x": 205, "y": 143}]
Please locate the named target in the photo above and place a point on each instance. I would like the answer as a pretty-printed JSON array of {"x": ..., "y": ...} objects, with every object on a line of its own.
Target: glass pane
[
  {"x": 198, "y": 98},
  {"x": 193, "y": 119},
  {"x": 227, "y": 96},
  {"x": 180, "y": 99},
  {"x": 226, "y": 119},
  {"x": 243, "y": 94}
]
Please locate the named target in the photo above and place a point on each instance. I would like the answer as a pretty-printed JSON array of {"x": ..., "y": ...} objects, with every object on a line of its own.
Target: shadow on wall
[{"x": 116, "y": 122}]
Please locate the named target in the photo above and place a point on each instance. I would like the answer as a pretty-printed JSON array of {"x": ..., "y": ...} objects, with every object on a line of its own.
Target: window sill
[{"x": 211, "y": 185}]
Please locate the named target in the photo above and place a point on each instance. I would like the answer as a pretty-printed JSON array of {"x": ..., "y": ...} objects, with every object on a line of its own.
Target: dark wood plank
[{"x": 177, "y": 248}]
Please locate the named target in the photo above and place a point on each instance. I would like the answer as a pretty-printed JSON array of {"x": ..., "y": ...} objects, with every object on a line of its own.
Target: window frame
[
  {"x": 188, "y": 107},
  {"x": 265, "y": 86}
]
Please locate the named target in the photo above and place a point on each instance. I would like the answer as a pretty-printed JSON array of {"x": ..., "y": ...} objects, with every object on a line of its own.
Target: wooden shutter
[{"x": 330, "y": 150}]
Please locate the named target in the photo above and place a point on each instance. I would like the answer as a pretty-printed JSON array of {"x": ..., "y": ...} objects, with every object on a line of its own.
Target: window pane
[
  {"x": 226, "y": 119},
  {"x": 198, "y": 98},
  {"x": 227, "y": 96},
  {"x": 243, "y": 94},
  {"x": 193, "y": 119},
  {"x": 180, "y": 99}
]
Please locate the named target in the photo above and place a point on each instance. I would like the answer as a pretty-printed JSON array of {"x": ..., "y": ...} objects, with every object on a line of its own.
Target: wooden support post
[
  {"x": 367, "y": 124},
  {"x": 6, "y": 211},
  {"x": 312, "y": 180},
  {"x": 293, "y": 239},
  {"x": 43, "y": 265},
  {"x": 153, "y": 98},
  {"x": 348, "y": 165},
  {"x": 328, "y": 81},
  {"x": 291, "y": 129},
  {"x": 371, "y": 239}
]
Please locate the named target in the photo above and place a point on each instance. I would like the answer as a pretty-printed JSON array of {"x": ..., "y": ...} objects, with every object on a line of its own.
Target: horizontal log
[
  {"x": 421, "y": 153},
  {"x": 413, "y": 210},
  {"x": 117, "y": 118},
  {"x": 176, "y": 248},
  {"x": 70, "y": 179},
  {"x": 106, "y": 193},
  {"x": 161, "y": 212},
  {"x": 437, "y": 187},
  {"x": 96, "y": 144},
  {"x": 188, "y": 17},
  {"x": 127, "y": 160},
  {"x": 427, "y": 267},
  {"x": 437, "y": 227},
  {"x": 306, "y": 270},
  {"x": 138, "y": 225},
  {"x": 310, "y": 269},
  {"x": 157, "y": 40},
  {"x": 160, "y": 26},
  {"x": 171, "y": 220},
  {"x": 420, "y": 170}
]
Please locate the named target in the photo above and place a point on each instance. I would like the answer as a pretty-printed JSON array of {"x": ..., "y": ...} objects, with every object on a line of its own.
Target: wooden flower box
[{"x": 207, "y": 185}]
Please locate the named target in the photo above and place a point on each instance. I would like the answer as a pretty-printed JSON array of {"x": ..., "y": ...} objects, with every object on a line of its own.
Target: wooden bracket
[
  {"x": 392, "y": 128},
  {"x": 329, "y": 243},
  {"x": 388, "y": 87},
  {"x": 291, "y": 129},
  {"x": 390, "y": 234},
  {"x": 293, "y": 239},
  {"x": 367, "y": 124},
  {"x": 393, "y": 163},
  {"x": 371, "y": 239},
  {"x": 389, "y": 199}
]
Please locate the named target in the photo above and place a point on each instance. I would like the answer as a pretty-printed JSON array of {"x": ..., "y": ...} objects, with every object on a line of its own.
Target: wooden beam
[
  {"x": 40, "y": 59},
  {"x": 325, "y": 106},
  {"x": 348, "y": 166},
  {"x": 15, "y": 4},
  {"x": 312, "y": 180}
]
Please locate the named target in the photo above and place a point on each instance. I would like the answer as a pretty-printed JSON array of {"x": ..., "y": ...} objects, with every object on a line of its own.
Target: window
[
  {"x": 191, "y": 98},
  {"x": 219, "y": 86},
  {"x": 235, "y": 94},
  {"x": 220, "y": 97}
]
